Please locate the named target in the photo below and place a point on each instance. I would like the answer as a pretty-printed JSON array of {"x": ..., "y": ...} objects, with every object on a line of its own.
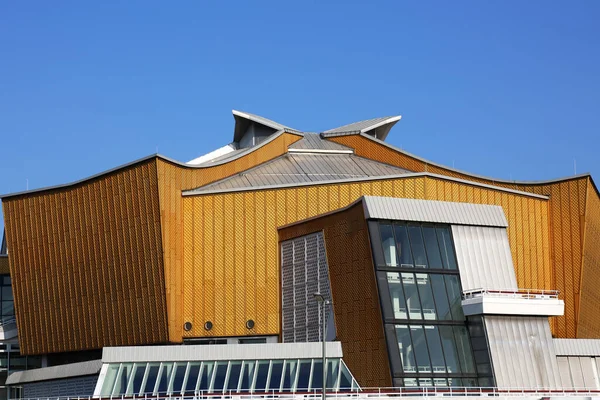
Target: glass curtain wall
[{"x": 420, "y": 293}]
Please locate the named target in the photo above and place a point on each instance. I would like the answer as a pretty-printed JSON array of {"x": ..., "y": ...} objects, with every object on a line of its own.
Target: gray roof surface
[
  {"x": 314, "y": 141},
  {"x": 434, "y": 211},
  {"x": 293, "y": 168},
  {"x": 219, "y": 352},
  {"x": 361, "y": 126},
  {"x": 59, "y": 372}
]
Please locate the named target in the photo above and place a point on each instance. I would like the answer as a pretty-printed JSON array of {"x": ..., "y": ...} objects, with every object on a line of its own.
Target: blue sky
[{"x": 506, "y": 89}]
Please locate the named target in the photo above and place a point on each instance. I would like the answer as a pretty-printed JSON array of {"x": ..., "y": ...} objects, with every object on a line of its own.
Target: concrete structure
[{"x": 438, "y": 277}]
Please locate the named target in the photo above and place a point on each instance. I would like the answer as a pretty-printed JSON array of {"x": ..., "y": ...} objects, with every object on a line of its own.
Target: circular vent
[
  {"x": 187, "y": 326},
  {"x": 208, "y": 325},
  {"x": 250, "y": 324}
]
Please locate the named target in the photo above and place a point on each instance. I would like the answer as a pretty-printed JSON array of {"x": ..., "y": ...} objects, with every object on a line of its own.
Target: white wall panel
[
  {"x": 484, "y": 257},
  {"x": 522, "y": 352}
]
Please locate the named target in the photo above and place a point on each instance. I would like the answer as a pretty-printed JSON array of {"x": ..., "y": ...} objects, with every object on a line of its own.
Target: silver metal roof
[
  {"x": 377, "y": 127},
  {"x": 577, "y": 347},
  {"x": 296, "y": 168},
  {"x": 269, "y": 351},
  {"x": 433, "y": 211},
  {"x": 316, "y": 142},
  {"x": 59, "y": 372}
]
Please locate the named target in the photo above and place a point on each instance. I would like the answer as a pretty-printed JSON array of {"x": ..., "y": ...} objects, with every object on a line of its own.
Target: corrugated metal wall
[
  {"x": 172, "y": 179},
  {"x": 522, "y": 352},
  {"x": 563, "y": 239},
  {"x": 484, "y": 257},
  {"x": 86, "y": 263},
  {"x": 579, "y": 372}
]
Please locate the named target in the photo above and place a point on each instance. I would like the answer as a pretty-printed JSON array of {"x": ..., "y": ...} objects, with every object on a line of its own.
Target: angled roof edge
[
  {"x": 494, "y": 180},
  {"x": 238, "y": 130},
  {"x": 325, "y": 214},
  {"x": 370, "y": 178},
  {"x": 360, "y": 127},
  {"x": 140, "y": 160}
]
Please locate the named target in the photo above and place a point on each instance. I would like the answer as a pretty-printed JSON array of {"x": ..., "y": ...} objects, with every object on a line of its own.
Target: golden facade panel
[
  {"x": 85, "y": 263},
  {"x": 218, "y": 249},
  {"x": 4, "y": 268}
]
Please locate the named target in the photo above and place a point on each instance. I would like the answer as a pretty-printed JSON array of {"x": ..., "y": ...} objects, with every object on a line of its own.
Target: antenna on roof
[{"x": 27, "y": 184}]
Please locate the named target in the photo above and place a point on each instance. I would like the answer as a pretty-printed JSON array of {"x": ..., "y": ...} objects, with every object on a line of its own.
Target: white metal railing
[
  {"x": 364, "y": 393},
  {"x": 538, "y": 294}
]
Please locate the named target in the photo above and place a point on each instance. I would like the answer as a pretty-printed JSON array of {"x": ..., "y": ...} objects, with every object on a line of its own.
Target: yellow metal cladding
[
  {"x": 85, "y": 263},
  {"x": 566, "y": 218},
  {"x": 589, "y": 317},
  {"x": 233, "y": 265},
  {"x": 172, "y": 179}
]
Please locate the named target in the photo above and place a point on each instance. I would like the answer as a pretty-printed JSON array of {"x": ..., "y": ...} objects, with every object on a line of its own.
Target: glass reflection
[
  {"x": 446, "y": 247},
  {"x": 418, "y": 248},
  {"x": 450, "y": 351},
  {"x": 403, "y": 246},
  {"x": 138, "y": 377},
  {"x": 454, "y": 296},
  {"x": 441, "y": 298},
  {"x": 389, "y": 245},
  {"x": 165, "y": 373},
  {"x": 427, "y": 304},
  {"x": 275, "y": 381},
  {"x": 289, "y": 376},
  {"x": 412, "y": 297},
  {"x": 235, "y": 367},
  {"x": 220, "y": 375},
  {"x": 247, "y": 376},
  {"x": 178, "y": 377},
  {"x": 420, "y": 346},
  {"x": 397, "y": 295},
  {"x": 261, "y": 376},
  {"x": 151, "y": 377},
  {"x": 431, "y": 245},
  {"x": 303, "y": 376},
  {"x": 193, "y": 376},
  {"x": 436, "y": 354},
  {"x": 463, "y": 347},
  {"x": 406, "y": 348}
]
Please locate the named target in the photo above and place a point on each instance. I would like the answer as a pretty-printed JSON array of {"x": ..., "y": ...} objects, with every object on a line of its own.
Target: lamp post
[{"x": 323, "y": 302}]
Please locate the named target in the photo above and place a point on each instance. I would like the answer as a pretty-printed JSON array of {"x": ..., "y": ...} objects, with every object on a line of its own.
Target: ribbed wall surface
[
  {"x": 579, "y": 372},
  {"x": 522, "y": 352},
  {"x": 357, "y": 310},
  {"x": 240, "y": 229},
  {"x": 484, "y": 258},
  {"x": 565, "y": 222},
  {"x": 4, "y": 269},
  {"x": 577, "y": 347},
  {"x": 172, "y": 179},
  {"x": 589, "y": 305},
  {"x": 445, "y": 212},
  {"x": 86, "y": 263}
]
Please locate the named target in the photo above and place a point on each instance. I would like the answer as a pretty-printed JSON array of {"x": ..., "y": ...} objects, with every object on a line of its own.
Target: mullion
[
  {"x": 405, "y": 269},
  {"x": 414, "y": 348},
  {"x": 435, "y": 226}
]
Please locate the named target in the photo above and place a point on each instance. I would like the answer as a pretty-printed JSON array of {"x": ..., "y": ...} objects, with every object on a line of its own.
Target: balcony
[{"x": 532, "y": 302}]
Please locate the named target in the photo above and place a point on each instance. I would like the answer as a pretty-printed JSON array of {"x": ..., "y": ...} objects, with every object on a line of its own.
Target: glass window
[
  {"x": 431, "y": 245},
  {"x": 455, "y": 382},
  {"x": 235, "y": 367},
  {"x": 178, "y": 377},
  {"x": 123, "y": 379},
  {"x": 109, "y": 380},
  {"x": 410, "y": 382},
  {"x": 464, "y": 349},
  {"x": 252, "y": 340},
  {"x": 8, "y": 309},
  {"x": 261, "y": 376},
  {"x": 303, "y": 375},
  {"x": 317, "y": 375},
  {"x": 425, "y": 382},
  {"x": 345, "y": 378},
  {"x": 192, "y": 377},
  {"x": 420, "y": 345},
  {"x": 389, "y": 245},
  {"x": 418, "y": 248},
  {"x": 220, "y": 375},
  {"x": 275, "y": 380},
  {"x": 151, "y": 377},
  {"x": 455, "y": 297},
  {"x": 397, "y": 295},
  {"x": 449, "y": 346},
  {"x": 403, "y": 246},
  {"x": 138, "y": 378},
  {"x": 247, "y": 376},
  {"x": 440, "y": 296},
  {"x": 165, "y": 374},
  {"x": 446, "y": 247},
  {"x": 440, "y": 382},
  {"x": 289, "y": 376},
  {"x": 426, "y": 296},
  {"x": 205, "y": 377},
  {"x": 333, "y": 369},
  {"x": 6, "y": 280},
  {"x": 7, "y": 293},
  {"x": 436, "y": 354},
  {"x": 412, "y": 297},
  {"x": 406, "y": 349}
]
